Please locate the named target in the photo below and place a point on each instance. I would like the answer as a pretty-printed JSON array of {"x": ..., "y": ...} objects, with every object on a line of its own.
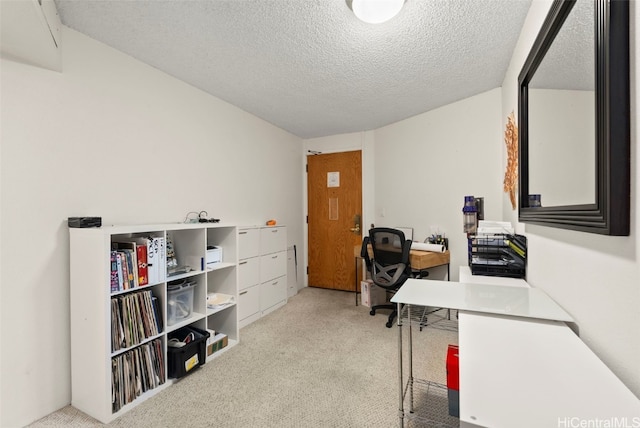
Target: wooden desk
[{"x": 419, "y": 260}]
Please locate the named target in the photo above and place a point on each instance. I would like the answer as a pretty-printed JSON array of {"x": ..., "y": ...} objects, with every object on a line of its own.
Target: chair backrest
[{"x": 390, "y": 265}]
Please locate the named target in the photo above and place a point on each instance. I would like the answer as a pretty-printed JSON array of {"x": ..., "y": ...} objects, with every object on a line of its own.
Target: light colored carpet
[{"x": 319, "y": 361}]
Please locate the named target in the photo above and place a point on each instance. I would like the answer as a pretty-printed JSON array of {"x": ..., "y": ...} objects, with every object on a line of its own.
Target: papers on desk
[
  {"x": 486, "y": 227},
  {"x": 423, "y": 246}
]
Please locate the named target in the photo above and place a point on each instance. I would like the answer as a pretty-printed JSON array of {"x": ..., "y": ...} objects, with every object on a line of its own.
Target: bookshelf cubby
[{"x": 101, "y": 346}]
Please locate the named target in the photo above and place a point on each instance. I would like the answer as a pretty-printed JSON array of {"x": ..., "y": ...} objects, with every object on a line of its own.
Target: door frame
[{"x": 363, "y": 141}]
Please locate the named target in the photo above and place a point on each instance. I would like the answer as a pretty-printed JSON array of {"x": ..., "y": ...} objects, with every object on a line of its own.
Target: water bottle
[
  {"x": 535, "y": 201},
  {"x": 469, "y": 215}
]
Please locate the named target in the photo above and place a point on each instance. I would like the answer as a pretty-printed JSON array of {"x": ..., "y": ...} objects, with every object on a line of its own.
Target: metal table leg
[
  {"x": 400, "y": 383},
  {"x": 410, "y": 350}
]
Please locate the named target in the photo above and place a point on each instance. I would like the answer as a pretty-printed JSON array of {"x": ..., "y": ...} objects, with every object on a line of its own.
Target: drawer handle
[
  {"x": 274, "y": 257},
  {"x": 242, "y": 233},
  {"x": 275, "y": 283},
  {"x": 274, "y": 231},
  {"x": 243, "y": 263},
  {"x": 243, "y": 293}
]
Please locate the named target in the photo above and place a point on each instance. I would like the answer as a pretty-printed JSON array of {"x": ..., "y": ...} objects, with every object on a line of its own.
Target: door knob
[{"x": 356, "y": 224}]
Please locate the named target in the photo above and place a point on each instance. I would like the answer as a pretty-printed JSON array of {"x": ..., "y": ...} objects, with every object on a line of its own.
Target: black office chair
[{"x": 390, "y": 266}]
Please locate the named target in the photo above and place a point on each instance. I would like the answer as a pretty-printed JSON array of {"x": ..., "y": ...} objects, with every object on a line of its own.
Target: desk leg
[{"x": 400, "y": 386}]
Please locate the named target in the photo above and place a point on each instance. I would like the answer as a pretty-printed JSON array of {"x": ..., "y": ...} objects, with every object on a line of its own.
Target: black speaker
[{"x": 84, "y": 221}]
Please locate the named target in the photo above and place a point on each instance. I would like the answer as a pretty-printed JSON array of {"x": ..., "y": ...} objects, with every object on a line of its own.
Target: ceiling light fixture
[{"x": 375, "y": 11}]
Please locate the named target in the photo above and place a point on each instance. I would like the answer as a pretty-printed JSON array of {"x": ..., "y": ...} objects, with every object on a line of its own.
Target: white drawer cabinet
[
  {"x": 248, "y": 243},
  {"x": 273, "y": 265},
  {"x": 262, "y": 271},
  {"x": 273, "y": 239},
  {"x": 273, "y": 294},
  {"x": 248, "y": 273},
  {"x": 248, "y": 302}
]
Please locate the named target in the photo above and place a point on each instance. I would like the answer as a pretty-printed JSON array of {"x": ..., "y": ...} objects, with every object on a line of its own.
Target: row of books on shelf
[
  {"x": 134, "y": 317},
  {"x": 136, "y": 372},
  {"x": 137, "y": 262}
]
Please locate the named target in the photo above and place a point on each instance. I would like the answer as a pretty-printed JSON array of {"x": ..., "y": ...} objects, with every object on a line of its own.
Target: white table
[
  {"x": 532, "y": 373},
  {"x": 520, "y": 364}
]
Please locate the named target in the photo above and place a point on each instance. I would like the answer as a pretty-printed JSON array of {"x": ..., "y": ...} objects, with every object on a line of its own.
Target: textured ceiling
[
  {"x": 570, "y": 61},
  {"x": 310, "y": 66}
]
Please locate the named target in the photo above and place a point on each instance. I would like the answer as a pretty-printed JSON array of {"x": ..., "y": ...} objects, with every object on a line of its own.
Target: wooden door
[{"x": 334, "y": 188}]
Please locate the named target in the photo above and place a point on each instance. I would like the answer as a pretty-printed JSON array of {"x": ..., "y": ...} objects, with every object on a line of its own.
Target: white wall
[
  {"x": 425, "y": 165},
  {"x": 595, "y": 278},
  {"x": 112, "y": 137}
]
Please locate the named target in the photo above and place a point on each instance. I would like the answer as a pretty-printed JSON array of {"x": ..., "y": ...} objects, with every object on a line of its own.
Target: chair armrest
[{"x": 364, "y": 252}]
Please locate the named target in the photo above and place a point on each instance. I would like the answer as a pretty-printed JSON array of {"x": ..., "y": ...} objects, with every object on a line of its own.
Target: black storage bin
[{"x": 185, "y": 359}]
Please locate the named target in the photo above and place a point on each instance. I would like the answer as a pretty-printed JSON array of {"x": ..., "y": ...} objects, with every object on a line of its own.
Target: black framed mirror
[{"x": 574, "y": 120}]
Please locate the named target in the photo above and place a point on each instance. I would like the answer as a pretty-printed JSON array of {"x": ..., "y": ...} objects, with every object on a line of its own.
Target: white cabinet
[
  {"x": 155, "y": 310},
  {"x": 273, "y": 265},
  {"x": 248, "y": 243},
  {"x": 262, "y": 270},
  {"x": 273, "y": 294},
  {"x": 273, "y": 239},
  {"x": 248, "y": 275},
  {"x": 248, "y": 304},
  {"x": 273, "y": 268}
]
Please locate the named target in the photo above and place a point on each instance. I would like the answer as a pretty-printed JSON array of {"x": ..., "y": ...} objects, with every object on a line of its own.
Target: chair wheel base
[
  {"x": 372, "y": 313},
  {"x": 389, "y": 324}
]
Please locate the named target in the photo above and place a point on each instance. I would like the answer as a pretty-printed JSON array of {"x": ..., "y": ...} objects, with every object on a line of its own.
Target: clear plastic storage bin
[{"x": 179, "y": 301}]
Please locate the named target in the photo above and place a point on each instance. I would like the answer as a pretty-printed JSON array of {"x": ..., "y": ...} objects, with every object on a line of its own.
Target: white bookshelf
[{"x": 90, "y": 294}]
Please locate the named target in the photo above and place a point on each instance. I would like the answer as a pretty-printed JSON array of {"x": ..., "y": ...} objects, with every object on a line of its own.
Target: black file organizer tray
[
  {"x": 498, "y": 255},
  {"x": 185, "y": 359}
]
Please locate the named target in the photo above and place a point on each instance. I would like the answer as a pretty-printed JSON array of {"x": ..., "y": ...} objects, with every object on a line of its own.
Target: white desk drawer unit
[{"x": 262, "y": 271}]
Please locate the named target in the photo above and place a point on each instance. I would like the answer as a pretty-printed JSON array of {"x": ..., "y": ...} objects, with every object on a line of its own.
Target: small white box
[
  {"x": 214, "y": 254},
  {"x": 371, "y": 294}
]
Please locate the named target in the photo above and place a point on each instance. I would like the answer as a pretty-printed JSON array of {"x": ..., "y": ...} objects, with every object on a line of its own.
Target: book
[
  {"x": 115, "y": 286},
  {"x": 162, "y": 259},
  {"x": 131, "y": 274},
  {"x": 157, "y": 313},
  {"x": 141, "y": 253},
  {"x": 122, "y": 257},
  {"x": 148, "y": 265},
  {"x": 119, "y": 268},
  {"x": 152, "y": 259},
  {"x": 130, "y": 248}
]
